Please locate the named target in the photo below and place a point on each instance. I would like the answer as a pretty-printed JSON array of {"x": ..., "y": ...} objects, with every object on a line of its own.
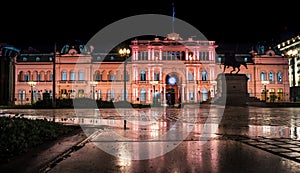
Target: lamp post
[
  {"x": 124, "y": 53},
  {"x": 32, "y": 85},
  {"x": 93, "y": 83},
  {"x": 265, "y": 83}
]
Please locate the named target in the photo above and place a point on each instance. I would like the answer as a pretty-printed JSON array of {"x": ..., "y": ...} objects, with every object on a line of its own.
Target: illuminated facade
[
  {"x": 159, "y": 71},
  {"x": 291, "y": 49},
  {"x": 267, "y": 73}
]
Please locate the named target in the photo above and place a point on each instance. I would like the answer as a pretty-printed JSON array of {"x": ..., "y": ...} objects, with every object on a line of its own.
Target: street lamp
[
  {"x": 265, "y": 83},
  {"x": 124, "y": 53},
  {"x": 32, "y": 85},
  {"x": 93, "y": 83}
]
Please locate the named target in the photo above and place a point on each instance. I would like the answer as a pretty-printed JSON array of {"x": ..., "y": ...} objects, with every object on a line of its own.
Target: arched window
[
  {"x": 143, "y": 75},
  {"x": 271, "y": 77},
  {"x": 98, "y": 76},
  {"x": 27, "y": 76},
  {"x": 111, "y": 77},
  {"x": 35, "y": 76},
  {"x": 279, "y": 77},
  {"x": 42, "y": 76},
  {"x": 64, "y": 75},
  {"x": 21, "y": 76},
  {"x": 72, "y": 75},
  {"x": 204, "y": 75},
  {"x": 81, "y": 75},
  {"x": 143, "y": 94},
  {"x": 262, "y": 76}
]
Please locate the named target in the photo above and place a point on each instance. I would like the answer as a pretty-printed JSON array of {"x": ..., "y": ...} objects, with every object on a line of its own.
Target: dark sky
[{"x": 46, "y": 22}]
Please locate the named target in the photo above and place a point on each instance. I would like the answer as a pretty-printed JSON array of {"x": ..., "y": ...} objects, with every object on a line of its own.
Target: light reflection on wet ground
[
  {"x": 188, "y": 139},
  {"x": 250, "y": 121}
]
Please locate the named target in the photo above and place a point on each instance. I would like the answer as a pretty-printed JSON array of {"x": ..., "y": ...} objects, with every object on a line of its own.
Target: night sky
[{"x": 42, "y": 24}]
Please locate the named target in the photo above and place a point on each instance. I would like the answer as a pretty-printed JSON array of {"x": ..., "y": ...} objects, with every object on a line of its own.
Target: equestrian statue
[{"x": 231, "y": 61}]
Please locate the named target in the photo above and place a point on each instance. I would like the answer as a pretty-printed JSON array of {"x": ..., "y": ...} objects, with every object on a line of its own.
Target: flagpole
[{"x": 173, "y": 17}]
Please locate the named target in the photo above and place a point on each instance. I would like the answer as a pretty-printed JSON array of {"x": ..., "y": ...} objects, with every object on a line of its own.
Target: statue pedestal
[{"x": 232, "y": 89}]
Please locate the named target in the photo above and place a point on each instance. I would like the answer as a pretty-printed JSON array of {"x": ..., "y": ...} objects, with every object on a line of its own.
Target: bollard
[{"x": 125, "y": 124}]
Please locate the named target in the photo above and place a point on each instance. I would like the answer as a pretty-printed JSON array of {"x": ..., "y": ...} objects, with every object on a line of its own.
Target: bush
[{"x": 18, "y": 135}]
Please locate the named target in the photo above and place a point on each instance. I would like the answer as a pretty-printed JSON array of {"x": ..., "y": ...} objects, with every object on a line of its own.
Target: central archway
[{"x": 173, "y": 93}]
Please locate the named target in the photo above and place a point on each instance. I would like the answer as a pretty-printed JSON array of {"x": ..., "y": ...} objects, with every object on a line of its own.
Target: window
[
  {"x": 204, "y": 75},
  {"x": 143, "y": 75},
  {"x": 21, "y": 76},
  {"x": 262, "y": 76},
  {"x": 50, "y": 77},
  {"x": 36, "y": 95},
  {"x": 80, "y": 93},
  {"x": 110, "y": 95},
  {"x": 112, "y": 77},
  {"x": 22, "y": 95},
  {"x": 156, "y": 76},
  {"x": 27, "y": 77},
  {"x": 24, "y": 59},
  {"x": 204, "y": 94},
  {"x": 98, "y": 76},
  {"x": 279, "y": 77},
  {"x": 81, "y": 75},
  {"x": 123, "y": 95},
  {"x": 64, "y": 75},
  {"x": 280, "y": 94},
  {"x": 191, "y": 76},
  {"x": 191, "y": 95},
  {"x": 72, "y": 75},
  {"x": 271, "y": 77},
  {"x": 39, "y": 77},
  {"x": 99, "y": 95},
  {"x": 143, "y": 94}
]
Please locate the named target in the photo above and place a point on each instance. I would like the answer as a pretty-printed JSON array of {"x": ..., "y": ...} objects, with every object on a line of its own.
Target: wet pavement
[{"x": 209, "y": 139}]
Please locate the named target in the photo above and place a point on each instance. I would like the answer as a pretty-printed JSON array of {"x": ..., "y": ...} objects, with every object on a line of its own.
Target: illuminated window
[
  {"x": 279, "y": 77},
  {"x": 81, "y": 75},
  {"x": 191, "y": 76},
  {"x": 98, "y": 76},
  {"x": 22, "y": 95},
  {"x": 262, "y": 76},
  {"x": 143, "y": 75},
  {"x": 204, "y": 75},
  {"x": 271, "y": 77},
  {"x": 143, "y": 94},
  {"x": 156, "y": 76},
  {"x": 72, "y": 75},
  {"x": 112, "y": 77},
  {"x": 64, "y": 75}
]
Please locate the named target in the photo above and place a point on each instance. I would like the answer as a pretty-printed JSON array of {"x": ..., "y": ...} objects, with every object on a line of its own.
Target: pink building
[{"x": 160, "y": 71}]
